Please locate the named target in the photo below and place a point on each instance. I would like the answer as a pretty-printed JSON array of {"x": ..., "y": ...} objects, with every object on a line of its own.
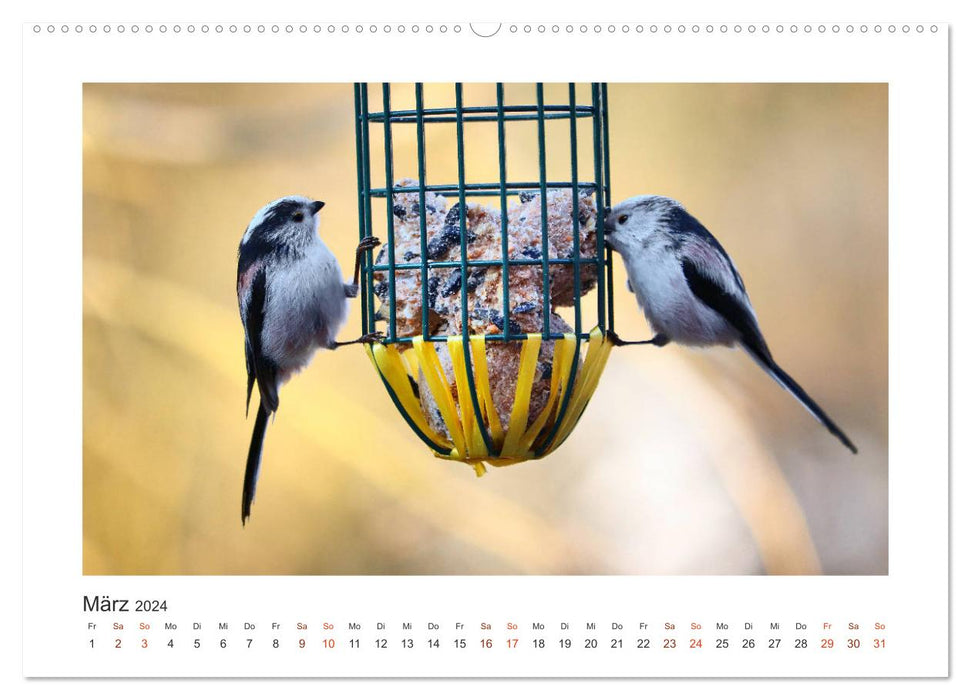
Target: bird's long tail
[
  {"x": 253, "y": 460},
  {"x": 790, "y": 385}
]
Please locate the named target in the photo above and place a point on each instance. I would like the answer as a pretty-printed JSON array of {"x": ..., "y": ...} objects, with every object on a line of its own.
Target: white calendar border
[{"x": 54, "y": 67}]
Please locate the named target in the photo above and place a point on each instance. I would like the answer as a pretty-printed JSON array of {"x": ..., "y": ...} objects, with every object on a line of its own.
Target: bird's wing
[
  {"x": 712, "y": 279},
  {"x": 244, "y": 277},
  {"x": 710, "y": 274},
  {"x": 250, "y": 372},
  {"x": 258, "y": 366}
]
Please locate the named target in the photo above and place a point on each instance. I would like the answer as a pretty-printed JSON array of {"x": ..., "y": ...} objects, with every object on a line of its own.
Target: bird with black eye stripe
[
  {"x": 292, "y": 302},
  {"x": 689, "y": 288}
]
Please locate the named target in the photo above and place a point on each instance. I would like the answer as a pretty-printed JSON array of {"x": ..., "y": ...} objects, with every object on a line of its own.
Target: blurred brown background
[{"x": 685, "y": 462}]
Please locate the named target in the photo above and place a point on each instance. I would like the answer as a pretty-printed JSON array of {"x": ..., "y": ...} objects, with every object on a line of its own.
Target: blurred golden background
[{"x": 685, "y": 462}]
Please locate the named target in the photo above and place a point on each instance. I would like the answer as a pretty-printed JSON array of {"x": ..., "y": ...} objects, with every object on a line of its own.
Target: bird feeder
[{"x": 444, "y": 375}]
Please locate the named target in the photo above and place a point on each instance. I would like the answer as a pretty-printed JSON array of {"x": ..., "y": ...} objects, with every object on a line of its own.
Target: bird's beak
[
  {"x": 608, "y": 232},
  {"x": 607, "y": 228},
  {"x": 316, "y": 206}
]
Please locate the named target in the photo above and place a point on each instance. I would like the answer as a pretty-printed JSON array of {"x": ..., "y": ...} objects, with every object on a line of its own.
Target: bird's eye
[
  {"x": 297, "y": 216},
  {"x": 622, "y": 219}
]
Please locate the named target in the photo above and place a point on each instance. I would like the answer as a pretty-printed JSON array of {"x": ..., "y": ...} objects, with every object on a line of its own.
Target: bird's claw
[
  {"x": 659, "y": 340},
  {"x": 614, "y": 339},
  {"x": 363, "y": 247},
  {"x": 368, "y": 338},
  {"x": 368, "y": 244}
]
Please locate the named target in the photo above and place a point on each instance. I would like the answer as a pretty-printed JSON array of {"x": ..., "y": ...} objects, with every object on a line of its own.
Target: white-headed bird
[
  {"x": 689, "y": 288},
  {"x": 292, "y": 301}
]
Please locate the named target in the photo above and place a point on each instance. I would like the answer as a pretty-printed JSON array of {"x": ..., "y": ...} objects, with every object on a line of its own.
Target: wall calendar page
[{"x": 512, "y": 350}]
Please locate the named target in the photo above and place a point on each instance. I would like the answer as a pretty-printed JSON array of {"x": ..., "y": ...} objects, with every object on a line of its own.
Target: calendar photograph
[{"x": 612, "y": 329}]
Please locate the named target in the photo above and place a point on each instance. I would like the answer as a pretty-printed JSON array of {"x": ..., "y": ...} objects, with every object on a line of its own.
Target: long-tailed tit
[
  {"x": 689, "y": 289},
  {"x": 292, "y": 301}
]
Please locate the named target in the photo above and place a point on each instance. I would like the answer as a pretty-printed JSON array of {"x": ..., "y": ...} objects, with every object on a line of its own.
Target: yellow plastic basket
[{"x": 571, "y": 387}]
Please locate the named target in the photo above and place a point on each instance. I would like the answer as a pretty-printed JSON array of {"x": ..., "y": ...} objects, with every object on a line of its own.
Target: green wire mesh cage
[{"x": 475, "y": 356}]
